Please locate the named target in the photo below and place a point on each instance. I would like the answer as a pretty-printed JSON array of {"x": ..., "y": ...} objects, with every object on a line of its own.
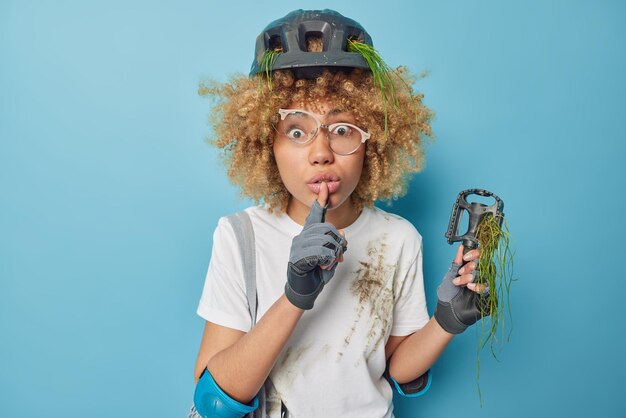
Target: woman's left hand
[
  {"x": 467, "y": 273},
  {"x": 458, "y": 304}
]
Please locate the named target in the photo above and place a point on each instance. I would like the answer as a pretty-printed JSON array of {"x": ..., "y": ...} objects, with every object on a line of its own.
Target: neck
[{"x": 340, "y": 217}]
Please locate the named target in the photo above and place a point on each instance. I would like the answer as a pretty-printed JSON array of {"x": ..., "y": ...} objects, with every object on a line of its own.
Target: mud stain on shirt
[
  {"x": 319, "y": 357},
  {"x": 371, "y": 288},
  {"x": 289, "y": 364},
  {"x": 273, "y": 398}
]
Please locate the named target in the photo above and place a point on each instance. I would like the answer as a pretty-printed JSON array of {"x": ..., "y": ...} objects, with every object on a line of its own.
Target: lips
[{"x": 331, "y": 180}]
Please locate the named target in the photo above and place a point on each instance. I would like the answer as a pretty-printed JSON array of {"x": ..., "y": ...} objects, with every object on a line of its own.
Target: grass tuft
[
  {"x": 382, "y": 73},
  {"x": 267, "y": 64},
  {"x": 495, "y": 270}
]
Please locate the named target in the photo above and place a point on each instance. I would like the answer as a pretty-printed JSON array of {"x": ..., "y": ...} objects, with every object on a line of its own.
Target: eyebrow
[
  {"x": 330, "y": 114},
  {"x": 335, "y": 116},
  {"x": 333, "y": 112},
  {"x": 336, "y": 112}
]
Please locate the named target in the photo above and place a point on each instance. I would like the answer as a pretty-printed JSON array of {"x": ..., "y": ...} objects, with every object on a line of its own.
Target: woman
[{"x": 317, "y": 135}]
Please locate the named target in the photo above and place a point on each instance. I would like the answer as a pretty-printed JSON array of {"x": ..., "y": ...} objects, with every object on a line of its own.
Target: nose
[{"x": 319, "y": 150}]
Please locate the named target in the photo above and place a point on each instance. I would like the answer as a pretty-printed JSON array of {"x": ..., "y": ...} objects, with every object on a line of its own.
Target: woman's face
[{"x": 302, "y": 167}]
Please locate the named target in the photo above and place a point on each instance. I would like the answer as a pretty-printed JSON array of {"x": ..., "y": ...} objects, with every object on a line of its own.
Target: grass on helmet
[
  {"x": 267, "y": 68},
  {"x": 495, "y": 270},
  {"x": 383, "y": 76},
  {"x": 382, "y": 73},
  {"x": 267, "y": 64}
]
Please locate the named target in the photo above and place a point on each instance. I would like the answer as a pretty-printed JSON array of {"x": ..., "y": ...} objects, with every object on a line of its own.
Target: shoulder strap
[{"x": 242, "y": 226}]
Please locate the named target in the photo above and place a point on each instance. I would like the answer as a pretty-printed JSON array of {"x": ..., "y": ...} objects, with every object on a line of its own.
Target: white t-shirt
[{"x": 333, "y": 363}]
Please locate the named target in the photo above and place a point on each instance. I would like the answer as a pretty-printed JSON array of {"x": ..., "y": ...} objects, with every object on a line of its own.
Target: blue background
[{"x": 109, "y": 196}]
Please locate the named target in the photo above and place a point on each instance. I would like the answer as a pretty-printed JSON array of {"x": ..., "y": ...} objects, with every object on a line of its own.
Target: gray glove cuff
[
  {"x": 302, "y": 301},
  {"x": 461, "y": 312},
  {"x": 447, "y": 318}
]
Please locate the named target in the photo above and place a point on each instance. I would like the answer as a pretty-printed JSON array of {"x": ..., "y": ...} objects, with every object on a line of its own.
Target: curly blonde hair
[{"x": 246, "y": 114}]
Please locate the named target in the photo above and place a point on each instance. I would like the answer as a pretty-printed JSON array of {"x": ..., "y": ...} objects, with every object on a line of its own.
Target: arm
[
  {"x": 241, "y": 362},
  {"x": 214, "y": 339},
  {"x": 429, "y": 342},
  {"x": 418, "y": 352}
]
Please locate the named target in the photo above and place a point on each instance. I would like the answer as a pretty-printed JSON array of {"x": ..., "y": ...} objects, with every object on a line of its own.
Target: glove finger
[
  {"x": 329, "y": 229},
  {"x": 321, "y": 256},
  {"x": 325, "y": 229},
  {"x": 313, "y": 244},
  {"x": 328, "y": 256},
  {"x": 328, "y": 274},
  {"x": 452, "y": 272},
  {"x": 338, "y": 241},
  {"x": 338, "y": 238},
  {"x": 317, "y": 214}
]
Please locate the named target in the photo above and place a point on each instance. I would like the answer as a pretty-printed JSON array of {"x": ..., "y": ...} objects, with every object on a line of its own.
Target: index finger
[
  {"x": 458, "y": 259},
  {"x": 318, "y": 208}
]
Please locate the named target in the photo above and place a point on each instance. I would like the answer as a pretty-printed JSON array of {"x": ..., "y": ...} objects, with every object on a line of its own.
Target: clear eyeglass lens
[{"x": 300, "y": 127}]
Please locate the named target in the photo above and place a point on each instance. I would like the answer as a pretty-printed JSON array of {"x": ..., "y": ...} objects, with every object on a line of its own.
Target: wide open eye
[
  {"x": 342, "y": 130},
  {"x": 296, "y": 134}
]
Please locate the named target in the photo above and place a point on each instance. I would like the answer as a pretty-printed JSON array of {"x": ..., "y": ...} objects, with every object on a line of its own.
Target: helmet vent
[
  {"x": 314, "y": 41},
  {"x": 356, "y": 35},
  {"x": 275, "y": 43}
]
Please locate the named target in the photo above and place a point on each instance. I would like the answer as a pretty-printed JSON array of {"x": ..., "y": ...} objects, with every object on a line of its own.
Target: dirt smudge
[
  {"x": 273, "y": 398},
  {"x": 371, "y": 288},
  {"x": 289, "y": 365},
  {"x": 317, "y": 359}
]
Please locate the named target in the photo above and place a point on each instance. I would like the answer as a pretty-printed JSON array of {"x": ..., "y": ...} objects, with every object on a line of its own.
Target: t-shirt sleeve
[
  {"x": 410, "y": 312},
  {"x": 223, "y": 299}
]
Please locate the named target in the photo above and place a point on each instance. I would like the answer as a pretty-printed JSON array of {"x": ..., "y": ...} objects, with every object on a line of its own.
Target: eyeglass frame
[{"x": 364, "y": 135}]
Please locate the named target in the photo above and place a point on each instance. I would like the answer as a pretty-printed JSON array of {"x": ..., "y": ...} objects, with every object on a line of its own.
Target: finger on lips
[
  {"x": 317, "y": 214},
  {"x": 322, "y": 197}
]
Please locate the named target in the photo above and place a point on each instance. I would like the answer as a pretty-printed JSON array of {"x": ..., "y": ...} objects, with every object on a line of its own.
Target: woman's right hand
[{"x": 314, "y": 255}]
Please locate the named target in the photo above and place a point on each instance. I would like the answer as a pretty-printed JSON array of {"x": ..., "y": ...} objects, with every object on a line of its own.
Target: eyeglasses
[{"x": 301, "y": 126}]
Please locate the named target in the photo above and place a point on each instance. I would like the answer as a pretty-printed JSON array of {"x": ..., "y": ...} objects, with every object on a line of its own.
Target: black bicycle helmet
[{"x": 289, "y": 35}]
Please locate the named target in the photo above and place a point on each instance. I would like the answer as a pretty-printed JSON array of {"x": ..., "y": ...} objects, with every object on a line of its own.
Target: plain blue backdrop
[{"x": 109, "y": 195}]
